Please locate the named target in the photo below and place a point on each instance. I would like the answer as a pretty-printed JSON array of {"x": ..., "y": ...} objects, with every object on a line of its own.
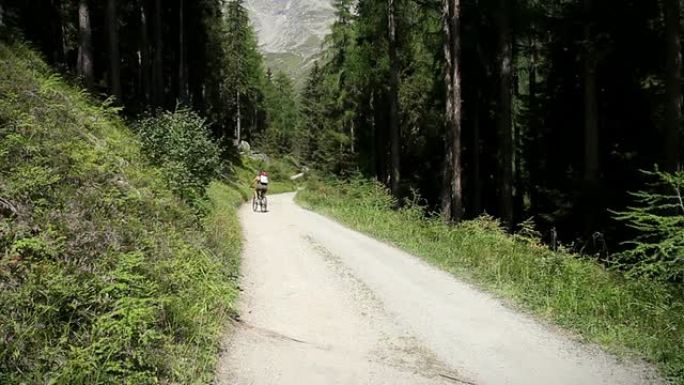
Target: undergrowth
[
  {"x": 626, "y": 316},
  {"x": 279, "y": 172},
  {"x": 180, "y": 143},
  {"x": 106, "y": 276}
]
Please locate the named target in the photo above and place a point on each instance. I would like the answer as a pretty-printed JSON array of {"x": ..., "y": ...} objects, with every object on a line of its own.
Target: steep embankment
[{"x": 105, "y": 276}]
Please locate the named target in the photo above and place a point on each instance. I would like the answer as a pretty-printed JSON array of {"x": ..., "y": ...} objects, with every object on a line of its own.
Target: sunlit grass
[
  {"x": 626, "y": 316},
  {"x": 279, "y": 171},
  {"x": 106, "y": 276}
]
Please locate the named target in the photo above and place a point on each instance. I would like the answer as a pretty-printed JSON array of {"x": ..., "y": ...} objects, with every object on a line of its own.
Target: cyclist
[{"x": 261, "y": 184}]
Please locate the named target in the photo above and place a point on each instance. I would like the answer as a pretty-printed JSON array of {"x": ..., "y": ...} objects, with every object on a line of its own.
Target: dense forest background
[
  {"x": 549, "y": 110},
  {"x": 553, "y": 108},
  {"x": 154, "y": 55}
]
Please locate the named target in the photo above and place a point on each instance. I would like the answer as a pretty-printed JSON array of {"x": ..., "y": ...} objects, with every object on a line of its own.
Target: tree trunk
[
  {"x": 114, "y": 56},
  {"x": 505, "y": 125},
  {"x": 477, "y": 181},
  {"x": 158, "y": 65},
  {"x": 238, "y": 119},
  {"x": 352, "y": 138},
  {"x": 182, "y": 72},
  {"x": 85, "y": 51},
  {"x": 591, "y": 169},
  {"x": 591, "y": 133},
  {"x": 536, "y": 145},
  {"x": 394, "y": 99},
  {"x": 144, "y": 53},
  {"x": 255, "y": 120},
  {"x": 65, "y": 44},
  {"x": 452, "y": 200},
  {"x": 379, "y": 141},
  {"x": 532, "y": 76},
  {"x": 57, "y": 43},
  {"x": 673, "y": 106}
]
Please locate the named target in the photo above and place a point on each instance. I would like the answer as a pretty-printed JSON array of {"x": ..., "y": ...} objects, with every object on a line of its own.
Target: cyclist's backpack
[{"x": 263, "y": 179}]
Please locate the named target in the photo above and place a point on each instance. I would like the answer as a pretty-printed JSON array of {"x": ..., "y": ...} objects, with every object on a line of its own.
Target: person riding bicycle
[{"x": 261, "y": 184}]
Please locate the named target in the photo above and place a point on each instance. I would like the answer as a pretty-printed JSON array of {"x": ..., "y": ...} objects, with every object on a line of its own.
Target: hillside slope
[{"x": 105, "y": 276}]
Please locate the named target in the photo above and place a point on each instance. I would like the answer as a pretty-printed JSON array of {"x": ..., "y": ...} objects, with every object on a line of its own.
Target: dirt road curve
[{"x": 326, "y": 305}]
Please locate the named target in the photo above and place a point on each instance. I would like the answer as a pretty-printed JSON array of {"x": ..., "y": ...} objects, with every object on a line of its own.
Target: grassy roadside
[
  {"x": 625, "y": 316},
  {"x": 279, "y": 172},
  {"x": 106, "y": 277}
]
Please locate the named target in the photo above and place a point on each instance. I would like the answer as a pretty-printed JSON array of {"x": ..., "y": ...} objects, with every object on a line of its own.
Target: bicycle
[{"x": 259, "y": 202}]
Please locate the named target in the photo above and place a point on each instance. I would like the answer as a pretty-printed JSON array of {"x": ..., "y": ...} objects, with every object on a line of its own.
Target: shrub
[{"x": 179, "y": 142}]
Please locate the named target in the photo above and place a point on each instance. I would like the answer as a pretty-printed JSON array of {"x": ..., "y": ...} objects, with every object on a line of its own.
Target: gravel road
[{"x": 323, "y": 304}]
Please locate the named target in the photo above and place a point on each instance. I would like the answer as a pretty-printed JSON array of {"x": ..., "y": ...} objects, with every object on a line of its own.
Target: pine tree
[
  {"x": 85, "y": 44},
  {"x": 158, "y": 85},
  {"x": 182, "y": 53},
  {"x": 452, "y": 199},
  {"x": 673, "y": 84},
  {"x": 283, "y": 135},
  {"x": 114, "y": 56},
  {"x": 313, "y": 115},
  {"x": 505, "y": 113},
  {"x": 394, "y": 130},
  {"x": 658, "y": 251}
]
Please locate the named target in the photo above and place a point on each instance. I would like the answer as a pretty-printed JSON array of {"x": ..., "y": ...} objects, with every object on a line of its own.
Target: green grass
[
  {"x": 106, "y": 277},
  {"x": 279, "y": 170},
  {"x": 630, "y": 317}
]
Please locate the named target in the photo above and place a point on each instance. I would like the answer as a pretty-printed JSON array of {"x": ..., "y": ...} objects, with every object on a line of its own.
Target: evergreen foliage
[
  {"x": 658, "y": 217},
  {"x": 199, "y": 54},
  {"x": 590, "y": 106},
  {"x": 283, "y": 134}
]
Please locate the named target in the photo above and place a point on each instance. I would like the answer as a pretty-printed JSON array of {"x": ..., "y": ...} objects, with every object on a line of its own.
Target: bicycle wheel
[{"x": 255, "y": 204}]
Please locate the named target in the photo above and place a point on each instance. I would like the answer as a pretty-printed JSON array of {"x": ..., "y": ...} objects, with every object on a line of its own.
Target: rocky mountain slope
[{"x": 291, "y": 31}]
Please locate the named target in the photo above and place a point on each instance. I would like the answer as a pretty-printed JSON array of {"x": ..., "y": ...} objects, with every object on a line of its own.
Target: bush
[
  {"x": 179, "y": 142},
  {"x": 658, "y": 252}
]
